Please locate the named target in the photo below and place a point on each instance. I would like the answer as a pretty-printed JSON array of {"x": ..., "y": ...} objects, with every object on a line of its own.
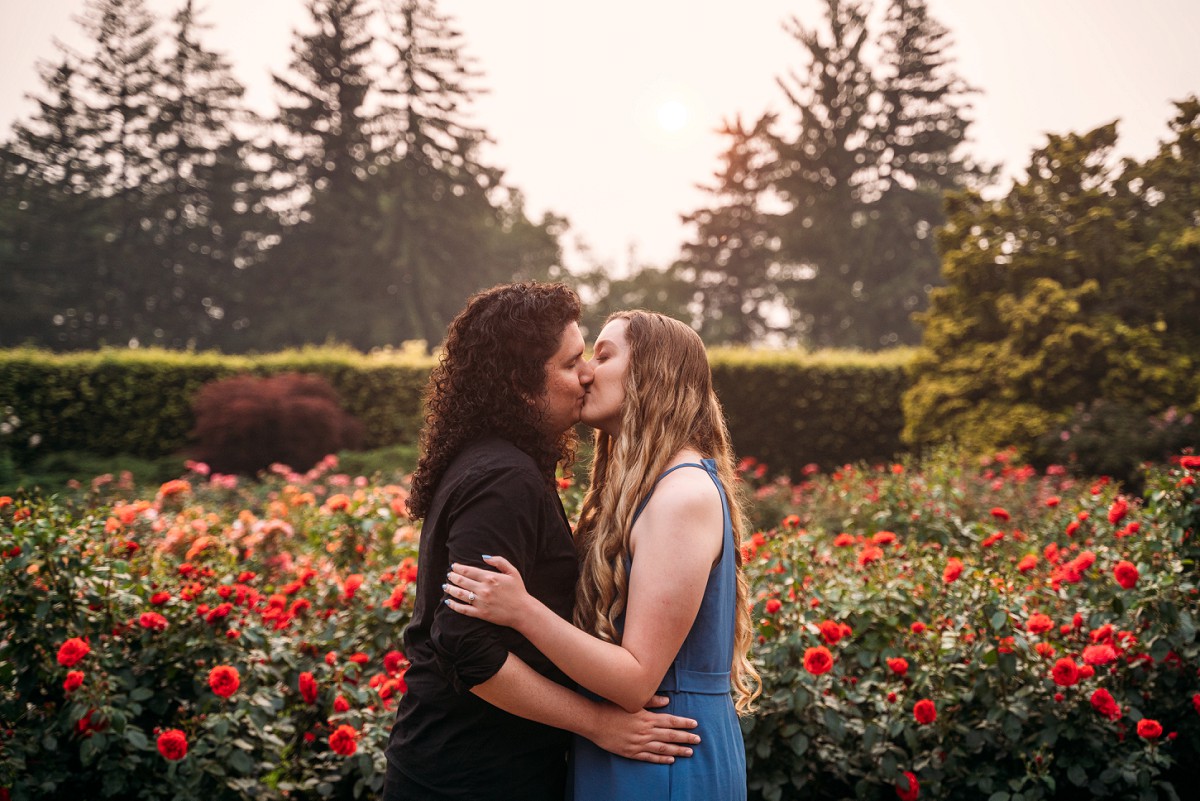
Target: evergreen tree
[
  {"x": 208, "y": 211},
  {"x": 51, "y": 218},
  {"x": 922, "y": 127},
  {"x": 826, "y": 174},
  {"x": 302, "y": 291},
  {"x": 119, "y": 82},
  {"x": 864, "y": 173},
  {"x": 442, "y": 221},
  {"x": 731, "y": 262},
  {"x": 1079, "y": 285}
]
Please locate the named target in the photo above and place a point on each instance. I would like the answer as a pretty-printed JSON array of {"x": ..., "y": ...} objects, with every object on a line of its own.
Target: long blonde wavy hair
[{"x": 669, "y": 405}]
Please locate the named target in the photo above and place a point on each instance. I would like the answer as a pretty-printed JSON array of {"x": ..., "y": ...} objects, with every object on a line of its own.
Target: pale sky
[{"x": 604, "y": 112}]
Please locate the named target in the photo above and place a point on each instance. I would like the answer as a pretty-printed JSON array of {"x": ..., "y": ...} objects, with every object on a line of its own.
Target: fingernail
[
  {"x": 487, "y": 556},
  {"x": 687, "y": 752},
  {"x": 446, "y": 601},
  {"x": 444, "y": 586}
]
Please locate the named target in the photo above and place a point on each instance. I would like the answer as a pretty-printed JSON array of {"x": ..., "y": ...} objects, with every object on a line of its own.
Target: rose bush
[
  {"x": 1018, "y": 635},
  {"x": 933, "y": 630},
  {"x": 152, "y": 644}
]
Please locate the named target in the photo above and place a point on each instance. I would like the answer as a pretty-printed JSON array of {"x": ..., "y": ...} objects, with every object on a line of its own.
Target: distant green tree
[
  {"x": 322, "y": 160},
  {"x": 663, "y": 290},
  {"x": 731, "y": 261},
  {"x": 863, "y": 171},
  {"x": 133, "y": 203},
  {"x": 207, "y": 212},
  {"x": 398, "y": 219},
  {"x": 1080, "y": 285},
  {"x": 50, "y": 218}
]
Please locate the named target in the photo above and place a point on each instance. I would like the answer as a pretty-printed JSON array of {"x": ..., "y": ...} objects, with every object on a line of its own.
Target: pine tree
[
  {"x": 439, "y": 223},
  {"x": 865, "y": 171},
  {"x": 302, "y": 293},
  {"x": 52, "y": 218},
  {"x": 922, "y": 129},
  {"x": 826, "y": 174},
  {"x": 207, "y": 212},
  {"x": 732, "y": 258}
]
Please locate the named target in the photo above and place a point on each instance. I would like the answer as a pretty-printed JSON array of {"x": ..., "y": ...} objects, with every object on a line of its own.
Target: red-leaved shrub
[{"x": 246, "y": 423}]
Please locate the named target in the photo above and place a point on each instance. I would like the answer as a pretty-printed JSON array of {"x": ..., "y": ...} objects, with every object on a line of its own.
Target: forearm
[
  {"x": 605, "y": 668},
  {"x": 520, "y": 690}
]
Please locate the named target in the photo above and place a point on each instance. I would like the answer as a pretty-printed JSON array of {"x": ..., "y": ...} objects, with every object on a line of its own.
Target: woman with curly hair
[
  {"x": 661, "y": 604},
  {"x": 486, "y": 715}
]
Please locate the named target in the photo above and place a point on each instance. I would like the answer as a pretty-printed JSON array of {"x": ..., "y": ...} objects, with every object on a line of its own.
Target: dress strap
[{"x": 707, "y": 465}]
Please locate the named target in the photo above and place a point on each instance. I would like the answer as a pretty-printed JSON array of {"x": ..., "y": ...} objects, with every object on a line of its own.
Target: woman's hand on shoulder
[{"x": 497, "y": 596}]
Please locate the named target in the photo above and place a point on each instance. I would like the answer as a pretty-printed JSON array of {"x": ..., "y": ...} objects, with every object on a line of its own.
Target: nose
[{"x": 586, "y": 372}]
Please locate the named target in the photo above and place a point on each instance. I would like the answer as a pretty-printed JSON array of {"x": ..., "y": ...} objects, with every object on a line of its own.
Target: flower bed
[
  {"x": 215, "y": 640},
  {"x": 975, "y": 633},
  {"x": 933, "y": 630}
]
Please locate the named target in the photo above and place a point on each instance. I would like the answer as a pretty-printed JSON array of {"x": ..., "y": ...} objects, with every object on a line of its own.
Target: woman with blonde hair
[{"x": 661, "y": 603}]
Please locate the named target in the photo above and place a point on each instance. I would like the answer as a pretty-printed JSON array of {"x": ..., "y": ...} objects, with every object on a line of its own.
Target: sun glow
[{"x": 673, "y": 115}]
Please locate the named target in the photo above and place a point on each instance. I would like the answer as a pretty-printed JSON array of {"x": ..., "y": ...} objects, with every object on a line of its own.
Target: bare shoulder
[{"x": 685, "y": 508}]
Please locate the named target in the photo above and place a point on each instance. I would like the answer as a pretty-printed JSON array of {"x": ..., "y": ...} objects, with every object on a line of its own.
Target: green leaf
[
  {"x": 1001, "y": 795},
  {"x": 998, "y": 620},
  {"x": 141, "y": 694},
  {"x": 241, "y": 762},
  {"x": 799, "y": 744},
  {"x": 1077, "y": 775},
  {"x": 136, "y": 738}
]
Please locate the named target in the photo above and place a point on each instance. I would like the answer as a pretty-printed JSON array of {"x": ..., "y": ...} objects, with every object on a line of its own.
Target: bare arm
[
  {"x": 675, "y": 542},
  {"x": 643, "y": 735}
]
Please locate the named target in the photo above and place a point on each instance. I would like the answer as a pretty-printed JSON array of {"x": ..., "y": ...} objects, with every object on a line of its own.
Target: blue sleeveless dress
[{"x": 697, "y": 683}]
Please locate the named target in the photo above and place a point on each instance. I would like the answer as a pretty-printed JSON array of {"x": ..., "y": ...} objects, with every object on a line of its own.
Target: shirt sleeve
[{"x": 495, "y": 514}]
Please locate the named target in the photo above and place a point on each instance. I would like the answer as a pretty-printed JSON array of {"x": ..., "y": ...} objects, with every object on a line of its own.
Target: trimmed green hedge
[
  {"x": 786, "y": 409},
  {"x": 139, "y": 402}
]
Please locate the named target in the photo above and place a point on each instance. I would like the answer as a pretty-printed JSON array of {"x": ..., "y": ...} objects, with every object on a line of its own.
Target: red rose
[
  {"x": 73, "y": 681},
  {"x": 1099, "y": 654},
  {"x": 843, "y": 540},
  {"x": 954, "y": 569},
  {"x": 883, "y": 537},
  {"x": 393, "y": 662},
  {"x": 1126, "y": 574},
  {"x": 308, "y": 688},
  {"x": 359, "y": 658},
  {"x": 153, "y": 621},
  {"x": 773, "y": 606},
  {"x": 907, "y": 788},
  {"x": 159, "y": 598},
  {"x": 1000, "y": 514},
  {"x": 917, "y": 627},
  {"x": 224, "y": 680},
  {"x": 1065, "y": 672},
  {"x": 1039, "y": 623},
  {"x": 1105, "y": 704},
  {"x": 172, "y": 744},
  {"x": 1118, "y": 510},
  {"x": 1189, "y": 462},
  {"x": 898, "y": 665},
  {"x": 71, "y": 651},
  {"x": 925, "y": 711},
  {"x": 818, "y": 660},
  {"x": 831, "y": 632},
  {"x": 1196, "y": 702},
  {"x": 344, "y": 740},
  {"x": 340, "y": 704},
  {"x": 1028, "y": 562},
  {"x": 1149, "y": 729}
]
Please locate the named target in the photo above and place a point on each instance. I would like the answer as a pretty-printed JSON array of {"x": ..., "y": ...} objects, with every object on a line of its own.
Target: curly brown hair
[{"x": 492, "y": 363}]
